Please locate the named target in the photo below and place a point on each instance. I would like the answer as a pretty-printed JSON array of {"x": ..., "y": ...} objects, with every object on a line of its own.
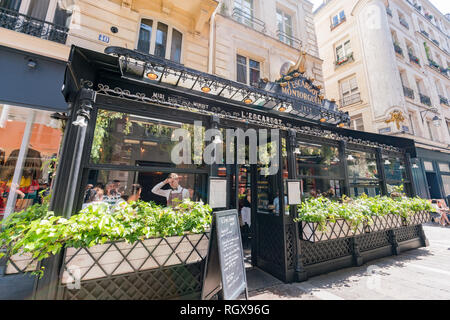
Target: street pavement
[{"x": 422, "y": 273}]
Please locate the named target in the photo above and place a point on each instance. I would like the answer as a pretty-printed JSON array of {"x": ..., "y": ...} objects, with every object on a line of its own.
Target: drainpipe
[{"x": 211, "y": 39}]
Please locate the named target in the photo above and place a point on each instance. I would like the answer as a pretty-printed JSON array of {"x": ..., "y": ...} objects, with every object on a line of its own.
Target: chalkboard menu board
[{"x": 225, "y": 269}]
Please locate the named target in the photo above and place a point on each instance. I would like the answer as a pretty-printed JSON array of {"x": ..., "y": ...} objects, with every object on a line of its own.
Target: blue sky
[{"x": 442, "y": 5}]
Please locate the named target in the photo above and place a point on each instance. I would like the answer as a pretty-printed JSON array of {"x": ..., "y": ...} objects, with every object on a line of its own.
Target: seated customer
[
  {"x": 442, "y": 211},
  {"x": 136, "y": 190}
]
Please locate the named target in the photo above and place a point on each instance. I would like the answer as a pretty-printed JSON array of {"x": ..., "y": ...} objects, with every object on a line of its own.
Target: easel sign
[
  {"x": 224, "y": 268},
  {"x": 294, "y": 190},
  {"x": 217, "y": 195}
]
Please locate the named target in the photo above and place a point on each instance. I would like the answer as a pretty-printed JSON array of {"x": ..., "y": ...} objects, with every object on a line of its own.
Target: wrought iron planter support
[{"x": 333, "y": 253}]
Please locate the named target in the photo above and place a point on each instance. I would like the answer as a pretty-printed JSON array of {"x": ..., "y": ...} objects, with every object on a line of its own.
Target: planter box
[
  {"x": 334, "y": 230},
  {"x": 118, "y": 258},
  {"x": 20, "y": 263},
  {"x": 389, "y": 221},
  {"x": 418, "y": 218}
]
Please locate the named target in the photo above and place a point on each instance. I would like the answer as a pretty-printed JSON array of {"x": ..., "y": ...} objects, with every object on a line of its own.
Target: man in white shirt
[{"x": 174, "y": 195}]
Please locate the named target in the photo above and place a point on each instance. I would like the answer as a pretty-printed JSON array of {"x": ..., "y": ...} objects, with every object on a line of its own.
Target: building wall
[
  {"x": 377, "y": 67},
  {"x": 91, "y": 22}
]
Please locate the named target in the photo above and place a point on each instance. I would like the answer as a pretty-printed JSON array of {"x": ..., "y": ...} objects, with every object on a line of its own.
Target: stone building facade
[{"x": 387, "y": 61}]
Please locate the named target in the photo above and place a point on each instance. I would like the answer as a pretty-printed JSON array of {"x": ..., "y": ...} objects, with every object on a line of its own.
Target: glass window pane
[
  {"x": 444, "y": 167},
  {"x": 145, "y": 34},
  {"x": 341, "y": 15},
  {"x": 175, "y": 54},
  {"x": 29, "y": 144},
  {"x": 127, "y": 139},
  {"x": 113, "y": 187},
  {"x": 62, "y": 16},
  {"x": 335, "y": 20},
  {"x": 361, "y": 166},
  {"x": 38, "y": 9},
  {"x": 394, "y": 168},
  {"x": 446, "y": 183},
  {"x": 268, "y": 193},
  {"x": 10, "y": 4},
  {"x": 317, "y": 160},
  {"x": 161, "y": 40},
  {"x": 314, "y": 187},
  {"x": 241, "y": 74}
]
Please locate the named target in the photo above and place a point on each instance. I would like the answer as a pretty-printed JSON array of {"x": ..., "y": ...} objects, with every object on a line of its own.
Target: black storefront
[{"x": 125, "y": 108}]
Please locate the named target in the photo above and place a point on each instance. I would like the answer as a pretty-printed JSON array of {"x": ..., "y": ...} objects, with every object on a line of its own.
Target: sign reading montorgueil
[{"x": 293, "y": 83}]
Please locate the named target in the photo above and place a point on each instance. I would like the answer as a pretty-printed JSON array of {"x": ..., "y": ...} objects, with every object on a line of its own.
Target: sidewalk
[{"x": 422, "y": 273}]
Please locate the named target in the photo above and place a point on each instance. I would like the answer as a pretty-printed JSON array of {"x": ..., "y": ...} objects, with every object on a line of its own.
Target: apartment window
[
  {"x": 284, "y": 22},
  {"x": 245, "y": 11},
  {"x": 349, "y": 92},
  {"x": 159, "y": 39},
  {"x": 248, "y": 70},
  {"x": 38, "y": 9},
  {"x": 356, "y": 123},
  {"x": 337, "y": 19},
  {"x": 343, "y": 51},
  {"x": 10, "y": 4},
  {"x": 45, "y": 10}
]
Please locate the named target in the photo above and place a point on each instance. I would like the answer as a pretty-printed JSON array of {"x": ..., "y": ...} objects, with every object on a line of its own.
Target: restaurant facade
[{"x": 125, "y": 110}]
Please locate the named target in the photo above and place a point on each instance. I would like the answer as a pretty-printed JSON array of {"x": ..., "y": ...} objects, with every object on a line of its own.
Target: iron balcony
[{"x": 18, "y": 22}]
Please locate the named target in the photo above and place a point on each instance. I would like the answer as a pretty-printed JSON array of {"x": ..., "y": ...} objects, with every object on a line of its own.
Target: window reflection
[
  {"x": 126, "y": 139},
  {"x": 317, "y": 160},
  {"x": 163, "y": 188},
  {"x": 29, "y": 144},
  {"x": 361, "y": 165}
]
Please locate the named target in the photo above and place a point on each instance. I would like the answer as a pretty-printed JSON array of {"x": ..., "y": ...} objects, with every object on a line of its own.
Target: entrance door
[
  {"x": 245, "y": 209},
  {"x": 433, "y": 186}
]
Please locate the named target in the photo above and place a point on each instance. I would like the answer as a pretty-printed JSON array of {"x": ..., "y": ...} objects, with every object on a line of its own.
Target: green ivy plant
[
  {"x": 39, "y": 232},
  {"x": 360, "y": 210}
]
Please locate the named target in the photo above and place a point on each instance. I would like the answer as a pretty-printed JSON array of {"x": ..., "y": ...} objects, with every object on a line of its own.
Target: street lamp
[{"x": 436, "y": 120}]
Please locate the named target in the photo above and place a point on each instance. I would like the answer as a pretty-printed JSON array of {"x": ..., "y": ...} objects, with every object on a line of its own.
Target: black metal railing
[
  {"x": 409, "y": 93},
  {"x": 435, "y": 42},
  {"x": 404, "y": 23},
  {"x": 425, "y": 99},
  {"x": 425, "y": 33},
  {"x": 443, "y": 100},
  {"x": 18, "y": 22},
  {"x": 389, "y": 11},
  {"x": 354, "y": 98},
  {"x": 289, "y": 39},
  {"x": 248, "y": 19},
  {"x": 398, "y": 49}
]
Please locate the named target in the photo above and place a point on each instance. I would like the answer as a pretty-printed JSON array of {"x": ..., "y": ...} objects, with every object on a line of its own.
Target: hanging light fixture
[
  {"x": 282, "y": 108},
  {"x": 415, "y": 166},
  {"x": 151, "y": 74},
  {"x": 297, "y": 150},
  {"x": 387, "y": 162},
  {"x": 341, "y": 124},
  {"x": 205, "y": 88},
  {"x": 436, "y": 121},
  {"x": 323, "y": 120},
  {"x": 350, "y": 158},
  {"x": 248, "y": 101}
]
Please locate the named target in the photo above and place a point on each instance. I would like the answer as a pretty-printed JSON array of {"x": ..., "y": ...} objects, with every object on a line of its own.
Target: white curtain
[{"x": 38, "y": 9}]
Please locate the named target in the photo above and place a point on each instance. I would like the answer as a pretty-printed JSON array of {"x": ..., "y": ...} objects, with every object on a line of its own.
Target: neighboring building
[
  {"x": 241, "y": 40},
  {"x": 387, "y": 61}
]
